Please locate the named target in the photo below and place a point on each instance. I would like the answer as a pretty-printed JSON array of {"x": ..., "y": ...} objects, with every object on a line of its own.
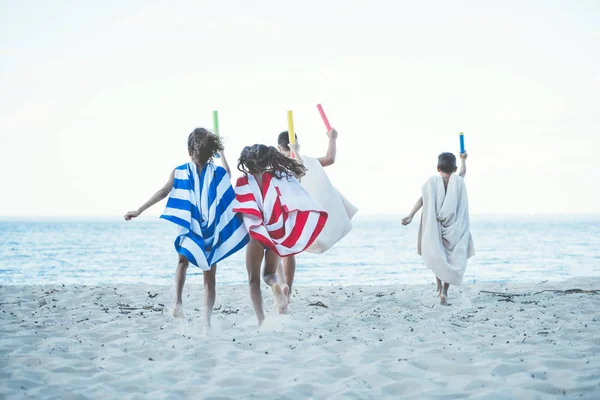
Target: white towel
[
  {"x": 339, "y": 210},
  {"x": 445, "y": 240}
]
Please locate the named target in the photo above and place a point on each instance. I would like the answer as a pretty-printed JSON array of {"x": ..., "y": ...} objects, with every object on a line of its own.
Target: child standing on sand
[
  {"x": 281, "y": 217},
  {"x": 200, "y": 203},
  {"x": 445, "y": 240},
  {"x": 339, "y": 210}
]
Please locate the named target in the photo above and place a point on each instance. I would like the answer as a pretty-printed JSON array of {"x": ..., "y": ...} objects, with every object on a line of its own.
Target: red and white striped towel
[{"x": 281, "y": 215}]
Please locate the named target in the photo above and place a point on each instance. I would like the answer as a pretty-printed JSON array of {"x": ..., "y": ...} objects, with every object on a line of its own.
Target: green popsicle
[{"x": 216, "y": 122}]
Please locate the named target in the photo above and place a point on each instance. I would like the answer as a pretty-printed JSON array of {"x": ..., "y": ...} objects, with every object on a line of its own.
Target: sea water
[{"x": 379, "y": 250}]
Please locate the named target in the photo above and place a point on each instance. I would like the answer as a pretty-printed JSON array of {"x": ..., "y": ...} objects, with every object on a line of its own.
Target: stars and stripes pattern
[
  {"x": 201, "y": 205},
  {"x": 281, "y": 215}
]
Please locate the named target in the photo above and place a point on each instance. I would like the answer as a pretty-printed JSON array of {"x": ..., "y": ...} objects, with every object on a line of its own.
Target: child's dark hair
[
  {"x": 283, "y": 140},
  {"x": 260, "y": 158},
  {"x": 203, "y": 145},
  {"x": 447, "y": 163}
]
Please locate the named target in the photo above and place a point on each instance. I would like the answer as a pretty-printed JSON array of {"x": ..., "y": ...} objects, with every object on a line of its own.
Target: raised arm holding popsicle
[{"x": 317, "y": 184}]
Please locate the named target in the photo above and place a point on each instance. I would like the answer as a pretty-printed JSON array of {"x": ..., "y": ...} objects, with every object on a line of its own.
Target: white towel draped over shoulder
[
  {"x": 340, "y": 211},
  {"x": 201, "y": 204},
  {"x": 445, "y": 240}
]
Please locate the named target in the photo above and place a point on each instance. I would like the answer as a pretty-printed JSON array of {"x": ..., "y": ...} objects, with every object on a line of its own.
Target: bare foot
[
  {"x": 178, "y": 310},
  {"x": 280, "y": 298},
  {"x": 286, "y": 292},
  {"x": 443, "y": 300}
]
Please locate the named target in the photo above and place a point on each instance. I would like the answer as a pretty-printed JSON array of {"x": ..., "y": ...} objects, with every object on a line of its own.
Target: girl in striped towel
[
  {"x": 200, "y": 204},
  {"x": 281, "y": 217}
]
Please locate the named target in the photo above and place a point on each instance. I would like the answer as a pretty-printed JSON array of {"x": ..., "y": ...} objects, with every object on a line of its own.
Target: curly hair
[
  {"x": 447, "y": 163},
  {"x": 203, "y": 145},
  {"x": 260, "y": 158},
  {"x": 283, "y": 140}
]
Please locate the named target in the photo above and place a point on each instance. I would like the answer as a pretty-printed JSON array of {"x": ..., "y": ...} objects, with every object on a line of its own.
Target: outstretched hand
[
  {"x": 332, "y": 134},
  {"x": 406, "y": 220},
  {"x": 131, "y": 214},
  {"x": 464, "y": 156}
]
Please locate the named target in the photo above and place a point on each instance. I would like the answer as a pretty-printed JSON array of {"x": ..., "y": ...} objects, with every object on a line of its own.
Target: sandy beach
[{"x": 527, "y": 342}]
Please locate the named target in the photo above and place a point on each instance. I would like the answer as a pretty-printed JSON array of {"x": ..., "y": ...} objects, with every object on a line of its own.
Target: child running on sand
[
  {"x": 281, "y": 217},
  {"x": 445, "y": 240},
  {"x": 200, "y": 203},
  {"x": 339, "y": 210}
]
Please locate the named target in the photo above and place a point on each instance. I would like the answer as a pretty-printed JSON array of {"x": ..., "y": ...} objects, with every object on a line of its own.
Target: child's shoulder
[
  {"x": 218, "y": 173},
  {"x": 181, "y": 172},
  {"x": 459, "y": 178},
  {"x": 432, "y": 179},
  {"x": 219, "y": 170},
  {"x": 241, "y": 181}
]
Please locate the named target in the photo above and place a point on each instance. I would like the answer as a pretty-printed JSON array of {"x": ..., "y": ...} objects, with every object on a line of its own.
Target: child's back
[
  {"x": 277, "y": 210},
  {"x": 201, "y": 205},
  {"x": 445, "y": 240},
  {"x": 444, "y": 236}
]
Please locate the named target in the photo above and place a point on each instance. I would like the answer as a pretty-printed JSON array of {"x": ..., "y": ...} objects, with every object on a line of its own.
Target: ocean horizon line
[{"x": 359, "y": 217}]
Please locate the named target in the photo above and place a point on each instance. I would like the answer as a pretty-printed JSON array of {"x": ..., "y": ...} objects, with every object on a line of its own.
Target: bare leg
[
  {"x": 444, "y": 295},
  {"x": 254, "y": 257},
  {"x": 280, "y": 275},
  {"x": 289, "y": 270},
  {"x": 179, "y": 282},
  {"x": 210, "y": 293},
  {"x": 272, "y": 261},
  {"x": 439, "y": 286}
]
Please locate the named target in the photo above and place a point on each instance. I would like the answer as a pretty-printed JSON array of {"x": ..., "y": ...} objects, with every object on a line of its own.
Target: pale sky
[{"x": 97, "y": 98}]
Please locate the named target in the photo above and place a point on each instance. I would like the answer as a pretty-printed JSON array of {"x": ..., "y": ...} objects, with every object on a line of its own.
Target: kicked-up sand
[{"x": 525, "y": 341}]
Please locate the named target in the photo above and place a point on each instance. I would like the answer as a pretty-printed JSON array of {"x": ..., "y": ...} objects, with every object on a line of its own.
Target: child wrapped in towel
[
  {"x": 200, "y": 204},
  {"x": 445, "y": 240},
  {"x": 281, "y": 217},
  {"x": 316, "y": 182}
]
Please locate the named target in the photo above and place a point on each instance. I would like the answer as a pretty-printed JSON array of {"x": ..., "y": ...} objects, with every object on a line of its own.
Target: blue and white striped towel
[{"x": 201, "y": 205}]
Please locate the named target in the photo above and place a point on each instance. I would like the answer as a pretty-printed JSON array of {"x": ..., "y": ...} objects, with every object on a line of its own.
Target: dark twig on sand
[
  {"x": 569, "y": 291},
  {"x": 12, "y": 302},
  {"x": 504, "y": 294},
  {"x": 317, "y": 304},
  {"x": 507, "y": 299},
  {"x": 150, "y": 308},
  {"x": 508, "y": 296}
]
